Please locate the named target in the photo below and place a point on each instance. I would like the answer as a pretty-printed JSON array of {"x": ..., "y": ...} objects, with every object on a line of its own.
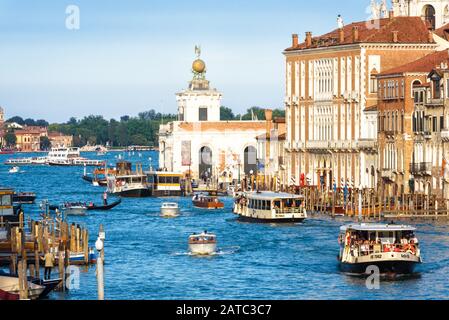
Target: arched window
[
  {"x": 250, "y": 160},
  {"x": 205, "y": 163},
  {"x": 429, "y": 15}
]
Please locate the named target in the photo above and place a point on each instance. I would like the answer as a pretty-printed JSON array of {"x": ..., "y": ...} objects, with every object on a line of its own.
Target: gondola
[{"x": 94, "y": 207}]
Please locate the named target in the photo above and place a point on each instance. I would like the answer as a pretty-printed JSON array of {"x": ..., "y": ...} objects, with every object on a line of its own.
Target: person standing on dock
[
  {"x": 105, "y": 198},
  {"x": 49, "y": 264}
]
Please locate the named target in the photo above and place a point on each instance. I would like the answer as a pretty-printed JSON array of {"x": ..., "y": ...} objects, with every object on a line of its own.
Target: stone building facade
[{"x": 331, "y": 96}]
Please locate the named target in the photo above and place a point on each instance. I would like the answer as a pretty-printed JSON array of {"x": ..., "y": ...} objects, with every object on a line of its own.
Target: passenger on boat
[{"x": 105, "y": 198}]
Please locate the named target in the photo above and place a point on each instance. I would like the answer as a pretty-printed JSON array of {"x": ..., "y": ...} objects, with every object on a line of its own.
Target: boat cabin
[
  {"x": 6, "y": 205},
  {"x": 364, "y": 239},
  {"x": 270, "y": 206},
  {"x": 163, "y": 183}
]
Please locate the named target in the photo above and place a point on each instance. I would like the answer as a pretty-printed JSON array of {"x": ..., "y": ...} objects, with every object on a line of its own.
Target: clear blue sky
[{"x": 130, "y": 56}]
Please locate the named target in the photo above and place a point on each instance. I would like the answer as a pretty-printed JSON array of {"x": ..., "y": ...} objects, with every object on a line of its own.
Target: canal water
[{"x": 146, "y": 255}]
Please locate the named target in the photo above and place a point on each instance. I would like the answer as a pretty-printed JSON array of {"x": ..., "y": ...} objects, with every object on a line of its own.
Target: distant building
[
  {"x": 2, "y": 131},
  {"x": 60, "y": 140},
  {"x": 271, "y": 153},
  {"x": 200, "y": 142},
  {"x": 28, "y": 139},
  {"x": 2, "y": 117}
]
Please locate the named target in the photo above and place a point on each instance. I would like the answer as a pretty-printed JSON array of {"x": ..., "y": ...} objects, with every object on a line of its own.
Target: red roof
[
  {"x": 409, "y": 30},
  {"x": 423, "y": 65},
  {"x": 443, "y": 32}
]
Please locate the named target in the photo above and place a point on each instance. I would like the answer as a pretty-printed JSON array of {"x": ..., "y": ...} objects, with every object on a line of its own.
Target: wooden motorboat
[
  {"x": 207, "y": 202},
  {"x": 203, "y": 244},
  {"x": 170, "y": 209},
  {"x": 94, "y": 207}
]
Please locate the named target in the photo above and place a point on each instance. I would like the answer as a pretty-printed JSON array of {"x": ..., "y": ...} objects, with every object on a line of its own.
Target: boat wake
[{"x": 219, "y": 252}]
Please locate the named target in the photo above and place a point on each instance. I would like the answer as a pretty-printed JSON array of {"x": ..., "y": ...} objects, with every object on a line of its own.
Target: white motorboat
[
  {"x": 11, "y": 286},
  {"x": 14, "y": 170},
  {"x": 392, "y": 248},
  {"x": 203, "y": 244},
  {"x": 170, "y": 209},
  {"x": 75, "y": 209}
]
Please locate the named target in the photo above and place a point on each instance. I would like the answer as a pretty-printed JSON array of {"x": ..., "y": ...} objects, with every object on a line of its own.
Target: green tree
[
  {"x": 226, "y": 114},
  {"x": 139, "y": 140},
  {"x": 45, "y": 143},
  {"x": 10, "y": 139}
]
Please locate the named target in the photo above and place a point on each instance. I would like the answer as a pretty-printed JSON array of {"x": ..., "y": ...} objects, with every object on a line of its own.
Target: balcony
[
  {"x": 434, "y": 102},
  {"x": 387, "y": 174},
  {"x": 368, "y": 144},
  {"x": 421, "y": 168},
  {"x": 318, "y": 145},
  {"x": 445, "y": 135},
  {"x": 427, "y": 135}
]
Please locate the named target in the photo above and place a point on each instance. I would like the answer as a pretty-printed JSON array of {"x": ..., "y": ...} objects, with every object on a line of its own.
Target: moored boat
[
  {"x": 9, "y": 289},
  {"x": 270, "y": 207},
  {"x": 203, "y": 244},
  {"x": 24, "y": 197},
  {"x": 207, "y": 202},
  {"x": 392, "y": 248},
  {"x": 170, "y": 209}
]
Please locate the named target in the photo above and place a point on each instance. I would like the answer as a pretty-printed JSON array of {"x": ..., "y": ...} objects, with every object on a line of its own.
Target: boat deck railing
[
  {"x": 367, "y": 249},
  {"x": 289, "y": 210}
]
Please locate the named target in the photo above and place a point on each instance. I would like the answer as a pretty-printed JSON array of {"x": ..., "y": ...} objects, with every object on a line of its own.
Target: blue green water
[{"x": 146, "y": 254}]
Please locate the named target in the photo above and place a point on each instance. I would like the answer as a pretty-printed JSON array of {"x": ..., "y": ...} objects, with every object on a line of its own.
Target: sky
[{"x": 130, "y": 56}]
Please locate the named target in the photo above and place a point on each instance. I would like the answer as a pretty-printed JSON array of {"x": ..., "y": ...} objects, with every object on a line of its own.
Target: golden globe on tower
[{"x": 199, "y": 66}]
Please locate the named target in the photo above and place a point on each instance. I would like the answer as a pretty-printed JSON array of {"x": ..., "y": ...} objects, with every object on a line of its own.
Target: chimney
[
  {"x": 308, "y": 39},
  {"x": 294, "y": 40},
  {"x": 395, "y": 36},
  {"x": 391, "y": 14},
  {"x": 355, "y": 34},
  {"x": 430, "y": 37},
  {"x": 341, "y": 34}
]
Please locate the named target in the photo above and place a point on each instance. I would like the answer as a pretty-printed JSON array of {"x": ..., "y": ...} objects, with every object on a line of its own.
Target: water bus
[
  {"x": 164, "y": 184},
  {"x": 270, "y": 207},
  {"x": 203, "y": 244},
  {"x": 392, "y": 248}
]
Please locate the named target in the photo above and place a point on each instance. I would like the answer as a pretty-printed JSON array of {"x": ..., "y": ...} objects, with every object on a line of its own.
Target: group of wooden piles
[
  {"x": 27, "y": 249},
  {"x": 373, "y": 204}
]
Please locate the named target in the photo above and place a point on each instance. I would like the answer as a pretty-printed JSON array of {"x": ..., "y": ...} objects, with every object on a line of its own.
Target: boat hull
[
  {"x": 203, "y": 249},
  {"x": 134, "y": 193},
  {"x": 208, "y": 205},
  {"x": 169, "y": 212},
  {"x": 260, "y": 220},
  {"x": 385, "y": 267}
]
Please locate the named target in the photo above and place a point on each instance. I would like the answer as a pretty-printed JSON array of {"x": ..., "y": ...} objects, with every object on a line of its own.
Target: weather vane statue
[
  {"x": 198, "y": 66},
  {"x": 198, "y": 51}
]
